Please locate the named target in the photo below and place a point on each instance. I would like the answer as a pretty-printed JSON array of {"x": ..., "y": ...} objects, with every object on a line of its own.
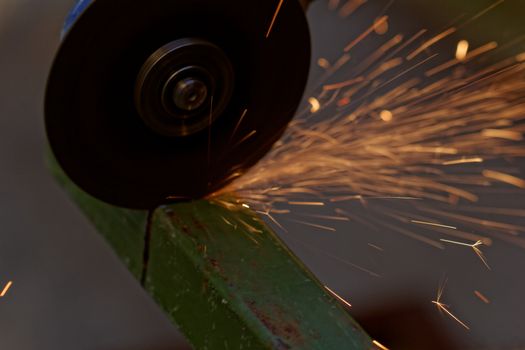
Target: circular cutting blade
[{"x": 92, "y": 123}]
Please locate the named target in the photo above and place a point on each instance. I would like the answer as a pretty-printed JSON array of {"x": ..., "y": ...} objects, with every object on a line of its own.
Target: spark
[
  {"x": 509, "y": 179},
  {"x": 469, "y": 56},
  {"x": 430, "y": 42},
  {"x": 318, "y": 204},
  {"x": 342, "y": 84},
  {"x": 311, "y": 224},
  {"x": 482, "y": 12},
  {"x": 503, "y": 134},
  {"x": 341, "y": 149},
  {"x": 238, "y": 123},
  {"x": 250, "y": 134},
  {"x": 269, "y": 216},
  {"x": 246, "y": 205},
  {"x": 338, "y": 297},
  {"x": 380, "y": 27},
  {"x": 323, "y": 63},
  {"x": 444, "y": 307},
  {"x": 379, "y": 345},
  {"x": 493, "y": 225},
  {"x": 405, "y": 72},
  {"x": 376, "y": 247},
  {"x": 415, "y": 236},
  {"x": 408, "y": 42},
  {"x": 474, "y": 247},
  {"x": 6, "y": 288},
  {"x": 345, "y": 198},
  {"x": 433, "y": 224},
  {"x": 325, "y": 217},
  {"x": 250, "y": 228},
  {"x": 494, "y": 210},
  {"x": 228, "y": 222},
  {"x": 386, "y": 115},
  {"x": 359, "y": 197},
  {"x": 464, "y": 160},
  {"x": 461, "y": 50},
  {"x": 482, "y": 297},
  {"x": 336, "y": 258},
  {"x": 377, "y": 23},
  {"x": 465, "y": 235},
  {"x": 275, "y": 14},
  {"x": 315, "y": 104}
]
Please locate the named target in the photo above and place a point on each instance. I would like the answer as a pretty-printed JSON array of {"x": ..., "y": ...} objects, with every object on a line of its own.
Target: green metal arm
[{"x": 223, "y": 277}]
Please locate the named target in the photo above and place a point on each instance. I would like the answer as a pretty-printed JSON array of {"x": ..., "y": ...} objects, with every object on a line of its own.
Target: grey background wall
[{"x": 70, "y": 292}]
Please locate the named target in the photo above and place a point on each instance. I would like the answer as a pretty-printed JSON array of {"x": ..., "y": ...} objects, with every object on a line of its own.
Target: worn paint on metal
[{"x": 226, "y": 286}]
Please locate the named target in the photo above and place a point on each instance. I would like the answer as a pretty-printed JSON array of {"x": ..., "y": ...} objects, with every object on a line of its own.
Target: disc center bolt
[
  {"x": 189, "y": 94},
  {"x": 178, "y": 84}
]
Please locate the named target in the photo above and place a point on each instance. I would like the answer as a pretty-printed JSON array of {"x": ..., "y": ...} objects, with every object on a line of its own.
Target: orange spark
[
  {"x": 474, "y": 247},
  {"x": 433, "y": 224},
  {"x": 469, "y": 56},
  {"x": 379, "y": 345},
  {"x": 238, "y": 123},
  {"x": 228, "y": 222},
  {"x": 343, "y": 102},
  {"x": 327, "y": 217},
  {"x": 482, "y": 297},
  {"x": 430, "y": 42},
  {"x": 315, "y": 105},
  {"x": 386, "y": 115},
  {"x": 319, "y": 204},
  {"x": 373, "y": 27},
  {"x": 444, "y": 307},
  {"x": 250, "y": 228},
  {"x": 464, "y": 161},
  {"x": 482, "y": 12},
  {"x": 461, "y": 50},
  {"x": 380, "y": 28},
  {"x": 509, "y": 179},
  {"x": 6, "y": 288},
  {"x": 343, "y": 84},
  {"x": 338, "y": 297},
  {"x": 322, "y": 227},
  {"x": 274, "y": 18},
  {"x": 503, "y": 134},
  {"x": 270, "y": 216},
  {"x": 376, "y": 247},
  {"x": 250, "y": 134},
  {"x": 346, "y": 152},
  {"x": 323, "y": 63}
]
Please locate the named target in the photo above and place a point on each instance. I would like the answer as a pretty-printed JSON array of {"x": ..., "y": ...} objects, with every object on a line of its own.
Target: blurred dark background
[{"x": 71, "y": 292}]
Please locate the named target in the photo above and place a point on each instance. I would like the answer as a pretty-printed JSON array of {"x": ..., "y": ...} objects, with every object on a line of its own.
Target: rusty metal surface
[
  {"x": 230, "y": 282},
  {"x": 222, "y": 276}
]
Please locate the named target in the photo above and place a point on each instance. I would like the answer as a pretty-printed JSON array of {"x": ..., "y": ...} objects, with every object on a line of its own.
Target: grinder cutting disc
[{"x": 145, "y": 98}]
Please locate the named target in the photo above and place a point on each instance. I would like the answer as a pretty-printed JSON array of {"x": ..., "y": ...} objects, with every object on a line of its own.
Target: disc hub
[
  {"x": 183, "y": 87},
  {"x": 189, "y": 94}
]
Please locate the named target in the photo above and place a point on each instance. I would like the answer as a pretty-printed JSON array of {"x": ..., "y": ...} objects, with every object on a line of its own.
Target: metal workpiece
[{"x": 222, "y": 276}]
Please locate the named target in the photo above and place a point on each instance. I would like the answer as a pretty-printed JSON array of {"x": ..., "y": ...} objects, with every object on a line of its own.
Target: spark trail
[
  {"x": 433, "y": 130},
  {"x": 386, "y": 130}
]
